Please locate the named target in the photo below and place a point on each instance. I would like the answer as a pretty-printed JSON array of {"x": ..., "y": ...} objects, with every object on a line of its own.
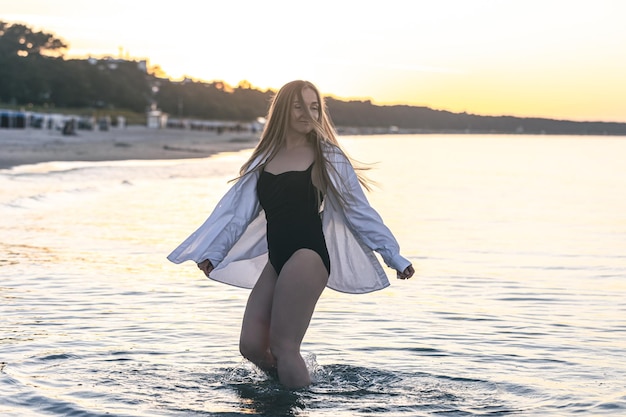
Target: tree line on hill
[{"x": 33, "y": 72}]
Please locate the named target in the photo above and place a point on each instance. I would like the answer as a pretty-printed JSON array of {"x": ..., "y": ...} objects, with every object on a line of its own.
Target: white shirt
[{"x": 233, "y": 237}]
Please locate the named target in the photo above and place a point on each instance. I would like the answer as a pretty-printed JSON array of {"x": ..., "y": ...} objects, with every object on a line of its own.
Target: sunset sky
[{"x": 562, "y": 59}]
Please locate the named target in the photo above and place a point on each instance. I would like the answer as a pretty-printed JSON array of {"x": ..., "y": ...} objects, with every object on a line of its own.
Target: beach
[{"x": 31, "y": 146}]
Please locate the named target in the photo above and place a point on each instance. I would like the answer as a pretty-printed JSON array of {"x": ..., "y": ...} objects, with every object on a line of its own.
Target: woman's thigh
[
  {"x": 256, "y": 319},
  {"x": 299, "y": 286}
]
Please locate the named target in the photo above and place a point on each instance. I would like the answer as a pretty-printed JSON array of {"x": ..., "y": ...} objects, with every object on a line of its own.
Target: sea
[{"x": 517, "y": 306}]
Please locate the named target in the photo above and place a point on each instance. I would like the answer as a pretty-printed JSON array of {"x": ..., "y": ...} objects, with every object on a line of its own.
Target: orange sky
[{"x": 549, "y": 58}]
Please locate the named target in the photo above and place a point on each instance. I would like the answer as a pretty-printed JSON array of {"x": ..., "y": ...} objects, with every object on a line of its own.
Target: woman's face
[{"x": 302, "y": 113}]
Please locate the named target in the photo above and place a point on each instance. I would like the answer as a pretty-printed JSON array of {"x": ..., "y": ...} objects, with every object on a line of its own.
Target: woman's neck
[{"x": 295, "y": 141}]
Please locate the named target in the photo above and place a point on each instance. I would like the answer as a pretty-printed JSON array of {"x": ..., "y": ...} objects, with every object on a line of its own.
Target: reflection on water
[{"x": 516, "y": 308}]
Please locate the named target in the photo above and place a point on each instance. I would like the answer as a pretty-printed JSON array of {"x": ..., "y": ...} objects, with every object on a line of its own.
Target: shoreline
[{"x": 32, "y": 146}]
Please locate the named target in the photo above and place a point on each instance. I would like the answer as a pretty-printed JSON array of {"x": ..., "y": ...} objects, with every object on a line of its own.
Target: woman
[{"x": 269, "y": 226}]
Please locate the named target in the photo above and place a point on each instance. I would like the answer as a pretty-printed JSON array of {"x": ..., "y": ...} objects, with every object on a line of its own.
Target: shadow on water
[
  {"x": 269, "y": 399},
  {"x": 260, "y": 394}
]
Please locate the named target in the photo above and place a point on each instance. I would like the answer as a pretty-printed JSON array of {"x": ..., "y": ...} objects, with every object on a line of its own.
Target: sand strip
[{"x": 30, "y": 146}]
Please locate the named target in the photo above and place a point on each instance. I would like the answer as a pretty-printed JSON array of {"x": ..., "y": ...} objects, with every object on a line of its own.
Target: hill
[{"x": 33, "y": 72}]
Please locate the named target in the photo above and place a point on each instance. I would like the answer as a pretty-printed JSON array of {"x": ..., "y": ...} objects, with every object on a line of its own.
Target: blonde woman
[{"x": 295, "y": 221}]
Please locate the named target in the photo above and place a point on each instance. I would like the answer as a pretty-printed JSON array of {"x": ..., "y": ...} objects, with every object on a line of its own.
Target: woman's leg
[
  {"x": 299, "y": 286},
  {"x": 254, "y": 342}
]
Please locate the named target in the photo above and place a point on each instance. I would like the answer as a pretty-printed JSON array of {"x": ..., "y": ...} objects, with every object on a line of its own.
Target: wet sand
[{"x": 30, "y": 146}]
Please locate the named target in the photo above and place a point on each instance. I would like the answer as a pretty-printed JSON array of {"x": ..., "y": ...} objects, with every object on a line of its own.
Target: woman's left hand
[{"x": 407, "y": 273}]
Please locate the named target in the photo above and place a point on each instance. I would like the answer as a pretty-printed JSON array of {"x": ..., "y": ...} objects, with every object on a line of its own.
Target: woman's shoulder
[{"x": 254, "y": 164}]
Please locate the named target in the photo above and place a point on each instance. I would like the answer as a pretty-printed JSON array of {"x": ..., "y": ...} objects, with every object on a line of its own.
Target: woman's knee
[
  {"x": 281, "y": 347},
  {"x": 251, "y": 349}
]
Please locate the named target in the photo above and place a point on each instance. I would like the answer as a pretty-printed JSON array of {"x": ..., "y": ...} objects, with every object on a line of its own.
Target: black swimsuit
[{"x": 292, "y": 212}]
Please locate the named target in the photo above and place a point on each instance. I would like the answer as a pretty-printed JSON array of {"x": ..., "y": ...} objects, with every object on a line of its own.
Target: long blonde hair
[{"x": 274, "y": 136}]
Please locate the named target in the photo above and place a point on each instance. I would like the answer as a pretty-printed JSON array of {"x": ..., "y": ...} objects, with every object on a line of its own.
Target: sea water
[{"x": 517, "y": 306}]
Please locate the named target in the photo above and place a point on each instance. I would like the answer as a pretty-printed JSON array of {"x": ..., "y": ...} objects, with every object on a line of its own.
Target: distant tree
[
  {"x": 157, "y": 71},
  {"x": 18, "y": 39},
  {"x": 245, "y": 84}
]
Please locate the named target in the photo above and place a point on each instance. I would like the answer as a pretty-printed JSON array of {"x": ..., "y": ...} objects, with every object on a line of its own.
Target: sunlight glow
[{"x": 530, "y": 58}]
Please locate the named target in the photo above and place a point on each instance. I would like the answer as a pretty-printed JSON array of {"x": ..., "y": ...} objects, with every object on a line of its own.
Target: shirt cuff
[{"x": 399, "y": 263}]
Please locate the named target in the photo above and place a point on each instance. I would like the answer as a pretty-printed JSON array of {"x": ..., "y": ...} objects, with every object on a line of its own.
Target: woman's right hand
[{"x": 206, "y": 266}]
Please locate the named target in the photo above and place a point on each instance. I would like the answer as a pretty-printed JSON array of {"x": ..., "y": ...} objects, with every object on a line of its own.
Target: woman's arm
[{"x": 363, "y": 219}]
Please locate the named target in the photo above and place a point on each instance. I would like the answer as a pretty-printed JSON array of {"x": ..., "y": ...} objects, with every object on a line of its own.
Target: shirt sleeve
[
  {"x": 221, "y": 230},
  {"x": 361, "y": 217}
]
